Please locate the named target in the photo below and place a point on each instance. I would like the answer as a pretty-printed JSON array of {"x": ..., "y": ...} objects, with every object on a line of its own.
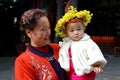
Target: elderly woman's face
[{"x": 40, "y": 35}]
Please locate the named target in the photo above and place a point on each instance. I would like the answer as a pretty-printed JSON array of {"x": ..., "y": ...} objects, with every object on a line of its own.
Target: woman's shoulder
[
  {"x": 55, "y": 48},
  {"x": 54, "y": 45},
  {"x": 23, "y": 56}
]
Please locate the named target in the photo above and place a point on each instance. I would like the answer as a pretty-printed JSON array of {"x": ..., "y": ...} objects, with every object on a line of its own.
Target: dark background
[{"x": 105, "y": 21}]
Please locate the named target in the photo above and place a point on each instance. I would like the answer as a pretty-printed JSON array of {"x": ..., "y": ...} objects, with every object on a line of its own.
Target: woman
[{"x": 39, "y": 61}]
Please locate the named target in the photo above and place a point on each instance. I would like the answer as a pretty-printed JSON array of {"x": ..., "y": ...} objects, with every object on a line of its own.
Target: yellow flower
[{"x": 71, "y": 14}]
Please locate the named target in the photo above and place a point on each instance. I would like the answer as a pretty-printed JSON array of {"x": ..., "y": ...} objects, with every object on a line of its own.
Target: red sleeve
[
  {"x": 56, "y": 48},
  {"x": 23, "y": 69}
]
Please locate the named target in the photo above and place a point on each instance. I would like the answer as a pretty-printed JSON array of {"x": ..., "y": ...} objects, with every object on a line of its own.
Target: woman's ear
[{"x": 28, "y": 32}]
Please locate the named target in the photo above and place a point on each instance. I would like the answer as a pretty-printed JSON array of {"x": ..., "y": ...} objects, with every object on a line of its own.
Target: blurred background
[{"x": 104, "y": 28}]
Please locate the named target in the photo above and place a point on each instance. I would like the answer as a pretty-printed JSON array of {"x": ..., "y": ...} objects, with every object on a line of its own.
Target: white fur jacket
[{"x": 85, "y": 52}]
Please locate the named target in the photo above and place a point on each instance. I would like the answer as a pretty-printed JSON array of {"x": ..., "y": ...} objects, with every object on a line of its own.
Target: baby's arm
[{"x": 97, "y": 68}]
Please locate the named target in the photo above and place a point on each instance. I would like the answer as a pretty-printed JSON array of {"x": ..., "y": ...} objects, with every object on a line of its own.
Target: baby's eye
[
  {"x": 79, "y": 29},
  {"x": 71, "y": 30}
]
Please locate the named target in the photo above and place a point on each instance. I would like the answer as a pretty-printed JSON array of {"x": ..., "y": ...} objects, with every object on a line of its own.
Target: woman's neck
[{"x": 42, "y": 49}]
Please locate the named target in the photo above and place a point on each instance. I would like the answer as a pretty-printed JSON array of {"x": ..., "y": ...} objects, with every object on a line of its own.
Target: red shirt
[{"x": 29, "y": 66}]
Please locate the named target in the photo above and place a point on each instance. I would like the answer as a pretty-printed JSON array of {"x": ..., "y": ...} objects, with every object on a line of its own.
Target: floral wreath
[{"x": 72, "y": 13}]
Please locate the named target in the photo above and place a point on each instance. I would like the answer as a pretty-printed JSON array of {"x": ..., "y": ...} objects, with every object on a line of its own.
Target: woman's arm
[{"x": 23, "y": 70}]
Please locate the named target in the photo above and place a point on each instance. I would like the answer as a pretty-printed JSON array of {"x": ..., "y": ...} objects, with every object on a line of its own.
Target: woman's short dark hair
[{"x": 29, "y": 18}]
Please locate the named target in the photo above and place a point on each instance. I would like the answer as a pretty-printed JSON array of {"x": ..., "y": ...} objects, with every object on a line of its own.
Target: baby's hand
[{"x": 98, "y": 70}]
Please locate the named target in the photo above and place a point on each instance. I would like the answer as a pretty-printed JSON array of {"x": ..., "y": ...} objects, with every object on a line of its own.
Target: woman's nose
[{"x": 48, "y": 31}]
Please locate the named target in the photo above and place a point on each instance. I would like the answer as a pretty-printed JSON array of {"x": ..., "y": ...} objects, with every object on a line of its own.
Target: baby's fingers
[{"x": 98, "y": 70}]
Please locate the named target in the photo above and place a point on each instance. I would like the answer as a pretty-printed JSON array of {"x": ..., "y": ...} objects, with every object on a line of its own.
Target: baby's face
[{"x": 75, "y": 31}]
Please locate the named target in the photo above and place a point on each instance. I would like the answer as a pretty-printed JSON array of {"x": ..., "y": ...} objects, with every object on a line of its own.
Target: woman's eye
[{"x": 43, "y": 29}]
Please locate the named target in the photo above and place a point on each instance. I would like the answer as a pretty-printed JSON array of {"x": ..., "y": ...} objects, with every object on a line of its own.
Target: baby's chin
[{"x": 76, "y": 39}]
